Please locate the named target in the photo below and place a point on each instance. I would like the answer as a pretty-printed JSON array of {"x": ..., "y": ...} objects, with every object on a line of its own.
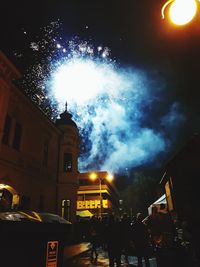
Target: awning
[
  {"x": 161, "y": 200},
  {"x": 84, "y": 213}
]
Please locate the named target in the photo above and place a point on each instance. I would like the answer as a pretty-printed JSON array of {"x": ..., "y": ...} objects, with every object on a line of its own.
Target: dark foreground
[{"x": 84, "y": 260}]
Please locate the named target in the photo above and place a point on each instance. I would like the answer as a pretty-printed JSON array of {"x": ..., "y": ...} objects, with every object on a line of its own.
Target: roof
[
  {"x": 161, "y": 200},
  {"x": 66, "y": 119}
]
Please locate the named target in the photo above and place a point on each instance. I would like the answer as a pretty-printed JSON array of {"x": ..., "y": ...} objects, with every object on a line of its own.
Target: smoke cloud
[{"x": 122, "y": 114}]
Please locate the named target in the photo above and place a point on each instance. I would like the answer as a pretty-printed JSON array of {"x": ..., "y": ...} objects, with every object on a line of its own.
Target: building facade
[
  {"x": 181, "y": 181},
  {"x": 97, "y": 196},
  {"x": 38, "y": 158}
]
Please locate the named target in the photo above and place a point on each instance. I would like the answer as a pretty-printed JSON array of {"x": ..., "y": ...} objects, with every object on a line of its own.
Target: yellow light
[
  {"x": 93, "y": 176},
  {"x": 3, "y": 186},
  {"x": 181, "y": 12},
  {"x": 110, "y": 177}
]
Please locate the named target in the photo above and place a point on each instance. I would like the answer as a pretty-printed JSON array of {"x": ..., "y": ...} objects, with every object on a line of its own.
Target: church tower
[{"x": 68, "y": 166}]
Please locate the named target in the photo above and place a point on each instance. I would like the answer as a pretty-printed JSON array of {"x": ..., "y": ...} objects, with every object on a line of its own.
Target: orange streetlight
[
  {"x": 93, "y": 177},
  {"x": 180, "y": 12}
]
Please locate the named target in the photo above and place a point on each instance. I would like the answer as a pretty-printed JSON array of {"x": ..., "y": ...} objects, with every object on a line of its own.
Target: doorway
[{"x": 9, "y": 199}]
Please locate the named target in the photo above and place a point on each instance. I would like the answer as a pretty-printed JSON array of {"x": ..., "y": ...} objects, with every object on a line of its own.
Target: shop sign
[{"x": 92, "y": 204}]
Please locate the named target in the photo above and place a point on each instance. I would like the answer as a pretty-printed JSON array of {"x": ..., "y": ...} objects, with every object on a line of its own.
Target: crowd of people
[
  {"x": 125, "y": 236},
  {"x": 137, "y": 236}
]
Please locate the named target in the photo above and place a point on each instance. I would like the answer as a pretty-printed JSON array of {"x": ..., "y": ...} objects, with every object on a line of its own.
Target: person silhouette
[{"x": 140, "y": 236}]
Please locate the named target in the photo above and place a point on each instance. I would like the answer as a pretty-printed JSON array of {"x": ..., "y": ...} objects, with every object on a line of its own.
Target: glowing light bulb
[
  {"x": 181, "y": 12},
  {"x": 93, "y": 176},
  {"x": 110, "y": 177}
]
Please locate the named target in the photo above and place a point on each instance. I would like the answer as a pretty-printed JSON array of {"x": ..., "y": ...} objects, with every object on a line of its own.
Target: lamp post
[
  {"x": 100, "y": 196},
  {"x": 93, "y": 177}
]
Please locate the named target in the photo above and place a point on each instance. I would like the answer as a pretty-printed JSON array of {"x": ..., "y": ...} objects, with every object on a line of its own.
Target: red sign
[{"x": 52, "y": 254}]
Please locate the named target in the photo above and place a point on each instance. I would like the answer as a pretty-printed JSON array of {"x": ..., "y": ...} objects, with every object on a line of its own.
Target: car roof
[
  {"x": 46, "y": 216},
  {"x": 18, "y": 216},
  {"x": 28, "y": 215}
]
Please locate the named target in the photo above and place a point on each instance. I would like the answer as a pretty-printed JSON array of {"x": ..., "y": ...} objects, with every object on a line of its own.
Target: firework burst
[{"x": 108, "y": 102}]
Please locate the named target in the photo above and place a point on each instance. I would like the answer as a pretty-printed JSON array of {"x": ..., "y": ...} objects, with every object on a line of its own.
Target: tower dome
[
  {"x": 68, "y": 165},
  {"x": 66, "y": 118}
]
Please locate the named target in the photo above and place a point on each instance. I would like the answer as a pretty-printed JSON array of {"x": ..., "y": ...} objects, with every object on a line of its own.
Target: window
[
  {"x": 17, "y": 136},
  {"x": 67, "y": 166},
  {"x": 45, "y": 154},
  {"x": 6, "y": 132}
]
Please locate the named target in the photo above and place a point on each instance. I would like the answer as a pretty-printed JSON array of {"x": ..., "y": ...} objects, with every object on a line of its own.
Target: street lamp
[
  {"x": 93, "y": 177},
  {"x": 181, "y": 12}
]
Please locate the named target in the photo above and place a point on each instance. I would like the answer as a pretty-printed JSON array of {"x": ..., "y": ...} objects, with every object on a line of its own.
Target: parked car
[
  {"x": 14, "y": 215},
  {"x": 18, "y": 216},
  {"x": 52, "y": 218},
  {"x": 29, "y": 238}
]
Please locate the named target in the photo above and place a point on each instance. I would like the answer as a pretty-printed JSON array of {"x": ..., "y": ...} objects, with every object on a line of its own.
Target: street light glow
[
  {"x": 93, "y": 176},
  {"x": 180, "y": 12},
  {"x": 110, "y": 177}
]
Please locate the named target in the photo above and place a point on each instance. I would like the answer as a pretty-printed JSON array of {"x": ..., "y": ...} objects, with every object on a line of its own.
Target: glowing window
[{"x": 67, "y": 166}]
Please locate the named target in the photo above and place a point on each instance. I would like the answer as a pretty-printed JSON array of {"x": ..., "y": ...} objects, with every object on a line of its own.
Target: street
[{"x": 102, "y": 261}]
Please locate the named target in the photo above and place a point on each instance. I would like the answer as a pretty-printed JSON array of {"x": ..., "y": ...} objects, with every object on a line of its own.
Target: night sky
[{"x": 137, "y": 37}]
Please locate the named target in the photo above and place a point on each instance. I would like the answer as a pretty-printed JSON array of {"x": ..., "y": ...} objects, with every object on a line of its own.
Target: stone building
[{"x": 38, "y": 158}]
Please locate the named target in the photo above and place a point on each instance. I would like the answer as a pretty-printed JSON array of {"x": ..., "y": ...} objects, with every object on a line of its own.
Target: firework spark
[{"x": 112, "y": 105}]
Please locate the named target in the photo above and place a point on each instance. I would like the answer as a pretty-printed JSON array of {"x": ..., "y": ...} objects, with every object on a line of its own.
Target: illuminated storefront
[{"x": 100, "y": 197}]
